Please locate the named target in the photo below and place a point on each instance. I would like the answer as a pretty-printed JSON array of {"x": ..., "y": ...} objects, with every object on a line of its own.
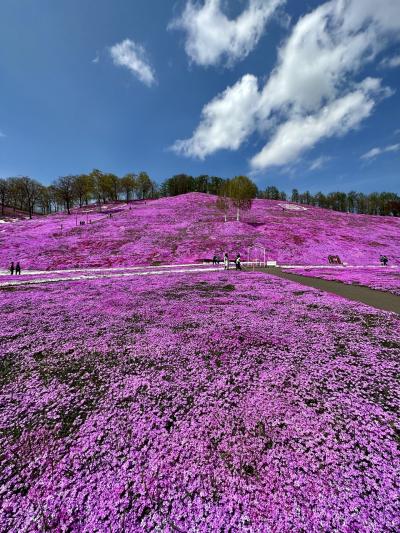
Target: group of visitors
[
  {"x": 16, "y": 268},
  {"x": 384, "y": 260},
  {"x": 238, "y": 262}
]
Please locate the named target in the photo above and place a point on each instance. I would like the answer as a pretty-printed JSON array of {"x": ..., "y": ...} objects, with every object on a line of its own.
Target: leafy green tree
[
  {"x": 83, "y": 188},
  {"x": 241, "y": 192},
  {"x": 128, "y": 185},
  {"x": 201, "y": 183},
  {"x": 223, "y": 200},
  {"x": 362, "y": 203},
  {"x": 272, "y": 193},
  {"x": 295, "y": 196},
  {"x": 105, "y": 186},
  {"x": 282, "y": 195},
  {"x": 214, "y": 184},
  {"x": 179, "y": 184},
  {"x": 144, "y": 185},
  {"x": 320, "y": 199},
  {"x": 115, "y": 186},
  {"x": 373, "y": 203}
]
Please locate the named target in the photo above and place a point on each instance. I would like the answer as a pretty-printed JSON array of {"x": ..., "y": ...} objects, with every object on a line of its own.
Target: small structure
[{"x": 256, "y": 254}]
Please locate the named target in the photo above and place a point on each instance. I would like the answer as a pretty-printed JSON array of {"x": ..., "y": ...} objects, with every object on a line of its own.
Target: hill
[{"x": 189, "y": 228}]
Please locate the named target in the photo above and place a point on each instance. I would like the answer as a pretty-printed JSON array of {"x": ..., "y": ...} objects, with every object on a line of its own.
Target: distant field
[
  {"x": 189, "y": 228},
  {"x": 196, "y": 402}
]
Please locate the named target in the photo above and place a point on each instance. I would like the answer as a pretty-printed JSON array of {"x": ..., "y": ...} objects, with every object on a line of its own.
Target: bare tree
[
  {"x": 64, "y": 190},
  {"x": 4, "y": 192},
  {"x": 30, "y": 191}
]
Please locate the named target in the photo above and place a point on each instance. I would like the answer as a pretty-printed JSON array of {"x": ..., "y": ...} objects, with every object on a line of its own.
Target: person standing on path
[
  {"x": 11, "y": 269},
  {"x": 18, "y": 269},
  {"x": 238, "y": 262},
  {"x": 226, "y": 261}
]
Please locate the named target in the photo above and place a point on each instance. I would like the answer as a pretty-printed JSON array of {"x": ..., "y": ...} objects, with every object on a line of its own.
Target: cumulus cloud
[
  {"x": 226, "y": 121},
  {"x": 311, "y": 90},
  {"x": 212, "y": 37},
  {"x": 132, "y": 56},
  {"x": 391, "y": 62},
  {"x": 299, "y": 134},
  {"x": 374, "y": 152}
]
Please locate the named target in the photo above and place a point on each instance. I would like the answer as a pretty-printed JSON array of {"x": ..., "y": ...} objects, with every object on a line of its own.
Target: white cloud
[
  {"x": 391, "y": 62},
  {"x": 212, "y": 37},
  {"x": 300, "y": 133},
  {"x": 374, "y": 152},
  {"x": 133, "y": 56},
  {"x": 312, "y": 88},
  {"x": 226, "y": 121},
  {"x": 319, "y": 163},
  {"x": 96, "y": 59}
]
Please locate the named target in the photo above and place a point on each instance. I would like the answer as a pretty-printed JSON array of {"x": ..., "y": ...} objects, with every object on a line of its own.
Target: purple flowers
[
  {"x": 190, "y": 228},
  {"x": 196, "y": 402}
]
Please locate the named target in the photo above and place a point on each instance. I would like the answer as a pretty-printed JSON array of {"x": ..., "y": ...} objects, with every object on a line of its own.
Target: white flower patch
[{"x": 293, "y": 207}]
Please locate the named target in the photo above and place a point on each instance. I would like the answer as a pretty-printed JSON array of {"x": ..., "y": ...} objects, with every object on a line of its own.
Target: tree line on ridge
[{"x": 26, "y": 194}]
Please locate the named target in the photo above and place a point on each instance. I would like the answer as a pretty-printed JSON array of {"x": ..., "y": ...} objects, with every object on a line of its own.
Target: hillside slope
[{"x": 189, "y": 228}]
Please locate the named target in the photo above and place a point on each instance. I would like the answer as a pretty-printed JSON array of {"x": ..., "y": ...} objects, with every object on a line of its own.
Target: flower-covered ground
[
  {"x": 189, "y": 228},
  {"x": 382, "y": 279},
  {"x": 196, "y": 403}
]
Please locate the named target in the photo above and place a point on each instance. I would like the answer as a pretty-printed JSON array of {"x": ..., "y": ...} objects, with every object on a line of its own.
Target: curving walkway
[{"x": 385, "y": 301}]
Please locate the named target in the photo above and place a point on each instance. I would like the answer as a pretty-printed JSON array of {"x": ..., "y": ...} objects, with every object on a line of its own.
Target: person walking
[
  {"x": 226, "y": 261},
  {"x": 11, "y": 269},
  {"x": 238, "y": 262},
  {"x": 18, "y": 268}
]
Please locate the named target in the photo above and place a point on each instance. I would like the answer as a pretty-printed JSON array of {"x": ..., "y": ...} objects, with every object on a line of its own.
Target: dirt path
[
  {"x": 374, "y": 298},
  {"x": 98, "y": 274}
]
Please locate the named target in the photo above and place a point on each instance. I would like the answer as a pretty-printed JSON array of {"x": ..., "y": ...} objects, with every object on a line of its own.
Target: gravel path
[{"x": 374, "y": 298}]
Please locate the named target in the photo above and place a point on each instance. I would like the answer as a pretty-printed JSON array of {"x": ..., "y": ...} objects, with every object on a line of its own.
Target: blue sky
[{"x": 296, "y": 94}]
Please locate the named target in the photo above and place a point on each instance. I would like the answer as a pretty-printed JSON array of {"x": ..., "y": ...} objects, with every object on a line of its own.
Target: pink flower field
[
  {"x": 195, "y": 402},
  {"x": 189, "y": 228},
  {"x": 382, "y": 279}
]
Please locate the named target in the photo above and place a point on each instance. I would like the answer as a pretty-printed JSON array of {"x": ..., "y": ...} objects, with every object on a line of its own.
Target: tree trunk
[{"x": 237, "y": 214}]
